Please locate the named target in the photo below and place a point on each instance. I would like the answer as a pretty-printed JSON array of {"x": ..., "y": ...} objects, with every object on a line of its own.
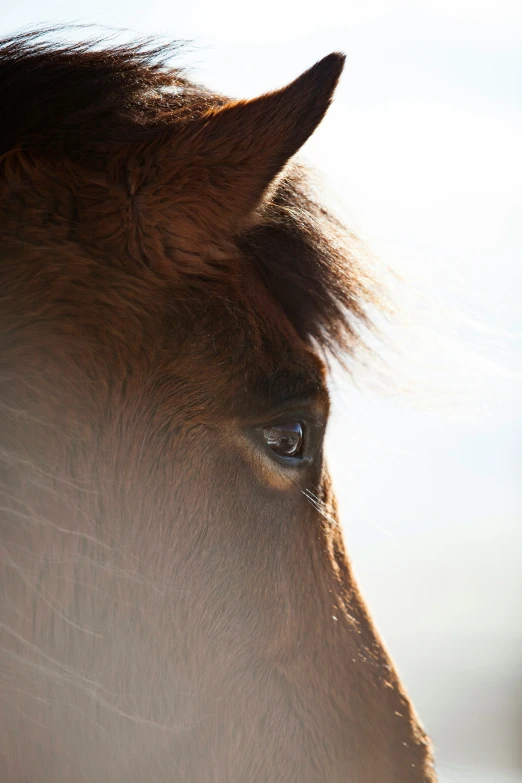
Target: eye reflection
[{"x": 286, "y": 440}]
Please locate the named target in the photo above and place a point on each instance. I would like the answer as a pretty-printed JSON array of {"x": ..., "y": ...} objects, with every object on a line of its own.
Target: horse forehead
[
  {"x": 276, "y": 358},
  {"x": 282, "y": 370}
]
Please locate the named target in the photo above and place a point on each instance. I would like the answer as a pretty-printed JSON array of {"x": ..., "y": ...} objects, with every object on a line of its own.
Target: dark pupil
[{"x": 285, "y": 439}]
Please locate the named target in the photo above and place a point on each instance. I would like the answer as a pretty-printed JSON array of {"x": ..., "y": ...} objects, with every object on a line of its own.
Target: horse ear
[{"x": 243, "y": 145}]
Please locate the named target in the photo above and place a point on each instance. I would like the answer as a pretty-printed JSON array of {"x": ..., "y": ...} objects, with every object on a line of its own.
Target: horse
[{"x": 177, "y": 603}]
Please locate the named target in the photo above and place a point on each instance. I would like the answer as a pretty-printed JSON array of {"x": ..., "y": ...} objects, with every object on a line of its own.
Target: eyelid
[
  {"x": 291, "y": 416},
  {"x": 308, "y": 412}
]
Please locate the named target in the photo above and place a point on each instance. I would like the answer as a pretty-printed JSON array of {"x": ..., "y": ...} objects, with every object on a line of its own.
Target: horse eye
[{"x": 286, "y": 440}]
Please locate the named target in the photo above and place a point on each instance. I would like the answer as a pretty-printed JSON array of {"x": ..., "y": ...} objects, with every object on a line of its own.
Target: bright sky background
[{"x": 423, "y": 150}]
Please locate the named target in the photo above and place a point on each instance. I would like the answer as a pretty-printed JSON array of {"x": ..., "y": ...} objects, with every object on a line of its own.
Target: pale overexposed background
[{"x": 423, "y": 149}]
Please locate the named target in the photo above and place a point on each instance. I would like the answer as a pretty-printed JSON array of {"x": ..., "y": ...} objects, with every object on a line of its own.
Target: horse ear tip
[
  {"x": 324, "y": 75},
  {"x": 338, "y": 58},
  {"x": 331, "y": 66}
]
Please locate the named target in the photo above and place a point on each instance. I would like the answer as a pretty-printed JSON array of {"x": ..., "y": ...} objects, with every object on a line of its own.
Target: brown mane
[{"x": 78, "y": 99}]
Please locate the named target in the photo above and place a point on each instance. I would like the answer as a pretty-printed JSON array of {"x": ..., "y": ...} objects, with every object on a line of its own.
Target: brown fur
[{"x": 176, "y": 606}]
